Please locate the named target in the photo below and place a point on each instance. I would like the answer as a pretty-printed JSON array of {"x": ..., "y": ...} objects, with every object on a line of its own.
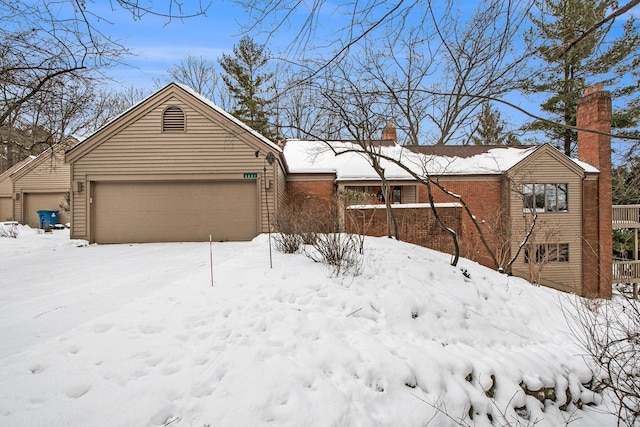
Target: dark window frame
[
  {"x": 545, "y": 197},
  {"x": 547, "y": 253}
]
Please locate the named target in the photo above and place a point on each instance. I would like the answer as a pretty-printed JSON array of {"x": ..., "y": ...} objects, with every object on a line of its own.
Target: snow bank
[{"x": 125, "y": 335}]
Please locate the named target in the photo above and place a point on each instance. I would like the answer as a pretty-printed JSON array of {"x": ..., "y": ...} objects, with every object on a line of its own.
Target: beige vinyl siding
[
  {"x": 565, "y": 227},
  {"x": 6, "y": 208},
  {"x": 209, "y": 149},
  {"x": 46, "y": 174},
  {"x": 282, "y": 185},
  {"x": 6, "y": 198},
  {"x": 6, "y": 186}
]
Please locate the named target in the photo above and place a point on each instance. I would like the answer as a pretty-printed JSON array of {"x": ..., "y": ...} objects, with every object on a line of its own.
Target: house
[
  {"x": 174, "y": 167},
  {"x": 544, "y": 216},
  {"x": 39, "y": 183}
]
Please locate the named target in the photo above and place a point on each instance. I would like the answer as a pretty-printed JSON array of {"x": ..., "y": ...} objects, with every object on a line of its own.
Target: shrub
[
  {"x": 341, "y": 252},
  {"x": 299, "y": 220},
  {"x": 9, "y": 229}
]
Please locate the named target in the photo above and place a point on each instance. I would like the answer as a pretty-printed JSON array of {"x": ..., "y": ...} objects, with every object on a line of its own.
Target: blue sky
[{"x": 157, "y": 44}]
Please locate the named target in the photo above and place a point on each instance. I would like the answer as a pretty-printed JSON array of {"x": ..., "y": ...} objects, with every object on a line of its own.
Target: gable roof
[
  {"x": 51, "y": 152},
  {"x": 15, "y": 168},
  {"x": 132, "y": 113},
  {"x": 576, "y": 166},
  {"x": 348, "y": 161}
]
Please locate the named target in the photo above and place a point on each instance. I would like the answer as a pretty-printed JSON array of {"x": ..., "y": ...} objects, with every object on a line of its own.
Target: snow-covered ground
[{"x": 135, "y": 335}]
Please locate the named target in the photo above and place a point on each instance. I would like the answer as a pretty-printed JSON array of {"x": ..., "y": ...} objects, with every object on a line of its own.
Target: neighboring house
[
  {"x": 506, "y": 189},
  {"x": 40, "y": 183},
  {"x": 6, "y": 189},
  {"x": 174, "y": 167}
]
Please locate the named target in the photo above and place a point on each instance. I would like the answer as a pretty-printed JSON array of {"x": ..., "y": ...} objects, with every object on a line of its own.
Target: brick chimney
[
  {"x": 389, "y": 132},
  {"x": 594, "y": 112}
]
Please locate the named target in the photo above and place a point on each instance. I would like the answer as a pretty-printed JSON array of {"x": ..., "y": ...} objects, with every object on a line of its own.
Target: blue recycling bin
[{"x": 47, "y": 218}]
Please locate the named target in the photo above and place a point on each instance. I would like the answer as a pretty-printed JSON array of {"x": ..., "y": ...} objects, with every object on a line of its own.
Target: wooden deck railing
[
  {"x": 624, "y": 216},
  {"x": 626, "y": 271}
]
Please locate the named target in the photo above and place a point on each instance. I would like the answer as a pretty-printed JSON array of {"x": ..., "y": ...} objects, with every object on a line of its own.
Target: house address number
[{"x": 249, "y": 175}]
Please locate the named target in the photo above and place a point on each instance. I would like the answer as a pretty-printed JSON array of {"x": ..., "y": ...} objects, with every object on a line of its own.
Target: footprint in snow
[
  {"x": 77, "y": 391},
  {"x": 164, "y": 416},
  {"x": 100, "y": 328},
  {"x": 36, "y": 369},
  {"x": 150, "y": 329},
  {"x": 171, "y": 369},
  {"x": 201, "y": 390}
]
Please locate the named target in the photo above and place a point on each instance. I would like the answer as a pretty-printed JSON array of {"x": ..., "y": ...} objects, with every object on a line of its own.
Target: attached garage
[
  {"x": 34, "y": 202},
  {"x": 174, "y": 168},
  {"x": 174, "y": 211},
  {"x": 41, "y": 184},
  {"x": 7, "y": 190}
]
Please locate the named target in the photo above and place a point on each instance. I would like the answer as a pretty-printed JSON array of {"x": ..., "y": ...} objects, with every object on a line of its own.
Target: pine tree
[
  {"x": 246, "y": 82},
  {"x": 490, "y": 129},
  {"x": 599, "y": 57}
]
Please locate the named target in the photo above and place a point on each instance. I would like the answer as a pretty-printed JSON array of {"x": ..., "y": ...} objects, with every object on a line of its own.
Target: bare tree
[
  {"x": 47, "y": 45},
  {"x": 203, "y": 76},
  {"x": 609, "y": 332}
]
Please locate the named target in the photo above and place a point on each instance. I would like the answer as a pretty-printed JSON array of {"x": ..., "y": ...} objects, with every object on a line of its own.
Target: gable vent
[{"x": 173, "y": 120}]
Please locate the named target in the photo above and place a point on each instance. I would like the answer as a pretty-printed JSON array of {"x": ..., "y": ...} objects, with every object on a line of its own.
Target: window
[
  {"x": 376, "y": 193},
  {"x": 546, "y": 252},
  {"x": 397, "y": 195},
  {"x": 546, "y": 197},
  {"x": 173, "y": 120}
]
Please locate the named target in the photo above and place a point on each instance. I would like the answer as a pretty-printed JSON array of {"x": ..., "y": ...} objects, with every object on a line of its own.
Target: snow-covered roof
[
  {"x": 586, "y": 166},
  {"x": 348, "y": 162}
]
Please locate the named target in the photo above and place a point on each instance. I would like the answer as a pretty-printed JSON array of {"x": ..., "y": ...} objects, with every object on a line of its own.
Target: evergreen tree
[
  {"x": 626, "y": 183},
  {"x": 490, "y": 129},
  {"x": 598, "y": 57},
  {"x": 246, "y": 80}
]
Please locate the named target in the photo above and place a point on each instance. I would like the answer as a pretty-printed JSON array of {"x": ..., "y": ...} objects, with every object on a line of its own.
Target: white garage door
[{"x": 127, "y": 212}]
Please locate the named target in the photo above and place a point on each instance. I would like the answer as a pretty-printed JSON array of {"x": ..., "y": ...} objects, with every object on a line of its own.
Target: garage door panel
[
  {"x": 174, "y": 211},
  {"x": 34, "y": 202}
]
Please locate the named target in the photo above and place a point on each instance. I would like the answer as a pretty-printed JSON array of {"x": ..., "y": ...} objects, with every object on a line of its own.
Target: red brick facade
[
  {"x": 415, "y": 225},
  {"x": 484, "y": 197},
  {"x": 323, "y": 190},
  {"x": 594, "y": 112},
  {"x": 488, "y": 198}
]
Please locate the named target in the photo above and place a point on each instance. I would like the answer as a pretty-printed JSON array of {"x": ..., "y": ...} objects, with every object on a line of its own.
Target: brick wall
[
  {"x": 590, "y": 249},
  {"x": 484, "y": 198},
  {"x": 320, "y": 190},
  {"x": 313, "y": 199},
  {"x": 594, "y": 112},
  {"x": 415, "y": 225}
]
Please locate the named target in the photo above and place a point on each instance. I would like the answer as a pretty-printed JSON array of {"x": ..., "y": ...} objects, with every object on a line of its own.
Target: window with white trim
[
  {"x": 546, "y": 197},
  {"x": 173, "y": 120}
]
